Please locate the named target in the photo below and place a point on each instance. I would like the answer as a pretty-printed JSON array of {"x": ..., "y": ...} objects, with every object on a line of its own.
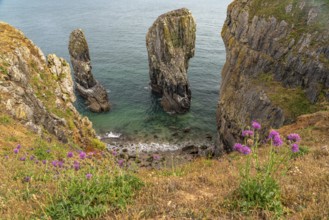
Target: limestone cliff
[
  {"x": 86, "y": 85},
  {"x": 38, "y": 93},
  {"x": 170, "y": 43},
  {"x": 277, "y": 64}
]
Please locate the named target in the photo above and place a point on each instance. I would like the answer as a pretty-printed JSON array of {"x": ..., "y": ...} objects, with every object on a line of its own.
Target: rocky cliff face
[
  {"x": 277, "y": 64},
  {"x": 38, "y": 92},
  {"x": 170, "y": 43},
  {"x": 86, "y": 85}
]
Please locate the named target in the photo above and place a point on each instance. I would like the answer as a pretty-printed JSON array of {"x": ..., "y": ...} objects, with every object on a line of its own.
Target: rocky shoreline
[{"x": 153, "y": 153}]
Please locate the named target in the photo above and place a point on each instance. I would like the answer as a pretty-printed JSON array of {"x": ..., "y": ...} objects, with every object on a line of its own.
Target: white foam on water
[
  {"x": 112, "y": 135},
  {"x": 148, "y": 147}
]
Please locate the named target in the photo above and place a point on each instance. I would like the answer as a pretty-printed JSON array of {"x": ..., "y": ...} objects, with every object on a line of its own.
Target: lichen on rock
[
  {"x": 38, "y": 93},
  {"x": 276, "y": 65},
  {"x": 170, "y": 43},
  {"x": 89, "y": 88}
]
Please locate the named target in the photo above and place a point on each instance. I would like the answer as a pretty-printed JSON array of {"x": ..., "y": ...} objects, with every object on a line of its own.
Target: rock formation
[
  {"x": 277, "y": 65},
  {"x": 37, "y": 94},
  {"x": 170, "y": 43},
  {"x": 86, "y": 85}
]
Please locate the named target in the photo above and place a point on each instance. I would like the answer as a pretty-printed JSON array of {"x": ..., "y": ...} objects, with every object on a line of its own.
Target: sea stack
[
  {"x": 170, "y": 44},
  {"x": 89, "y": 88}
]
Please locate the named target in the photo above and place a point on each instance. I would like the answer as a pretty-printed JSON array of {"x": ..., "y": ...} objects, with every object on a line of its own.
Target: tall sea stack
[
  {"x": 170, "y": 43},
  {"x": 277, "y": 65},
  {"x": 89, "y": 88}
]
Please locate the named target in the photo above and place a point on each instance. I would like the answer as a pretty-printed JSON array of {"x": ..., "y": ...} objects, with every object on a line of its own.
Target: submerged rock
[
  {"x": 170, "y": 43},
  {"x": 86, "y": 85}
]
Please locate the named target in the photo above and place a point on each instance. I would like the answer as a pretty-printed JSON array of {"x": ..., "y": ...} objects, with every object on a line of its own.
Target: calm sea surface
[{"x": 115, "y": 31}]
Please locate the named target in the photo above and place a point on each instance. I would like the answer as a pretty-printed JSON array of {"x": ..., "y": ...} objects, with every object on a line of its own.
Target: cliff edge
[
  {"x": 37, "y": 92},
  {"x": 277, "y": 64}
]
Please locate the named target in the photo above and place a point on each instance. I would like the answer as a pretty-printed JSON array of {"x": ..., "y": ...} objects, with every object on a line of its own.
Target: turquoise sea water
[{"x": 115, "y": 31}]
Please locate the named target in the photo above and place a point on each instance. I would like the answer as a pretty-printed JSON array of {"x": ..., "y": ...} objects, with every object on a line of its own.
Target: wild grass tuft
[{"x": 54, "y": 184}]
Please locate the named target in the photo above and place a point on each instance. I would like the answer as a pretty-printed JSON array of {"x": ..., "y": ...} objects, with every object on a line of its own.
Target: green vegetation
[
  {"x": 44, "y": 181},
  {"x": 3, "y": 70},
  {"x": 85, "y": 196},
  {"x": 297, "y": 17},
  {"x": 97, "y": 144},
  {"x": 293, "y": 101},
  {"x": 5, "y": 120},
  {"x": 259, "y": 187}
]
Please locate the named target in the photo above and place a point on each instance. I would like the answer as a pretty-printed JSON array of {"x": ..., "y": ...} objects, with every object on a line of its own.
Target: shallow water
[{"x": 115, "y": 31}]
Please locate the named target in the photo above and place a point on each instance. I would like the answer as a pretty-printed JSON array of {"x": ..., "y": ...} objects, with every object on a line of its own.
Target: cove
[{"x": 116, "y": 31}]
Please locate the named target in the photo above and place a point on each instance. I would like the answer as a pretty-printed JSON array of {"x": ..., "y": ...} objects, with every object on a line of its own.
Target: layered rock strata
[
  {"x": 277, "y": 65},
  {"x": 38, "y": 92},
  {"x": 170, "y": 43},
  {"x": 89, "y": 88}
]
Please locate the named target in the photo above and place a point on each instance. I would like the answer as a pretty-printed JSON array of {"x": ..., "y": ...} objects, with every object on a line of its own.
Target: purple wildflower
[
  {"x": 238, "y": 147},
  {"x": 121, "y": 162},
  {"x": 82, "y": 155},
  {"x": 256, "y": 125},
  {"x": 36, "y": 161},
  {"x": 245, "y": 150},
  {"x": 16, "y": 150},
  {"x": 114, "y": 153},
  {"x": 70, "y": 154},
  {"x": 294, "y": 148},
  {"x": 247, "y": 133},
  {"x": 32, "y": 157},
  {"x": 60, "y": 164},
  {"x": 76, "y": 165},
  {"x": 88, "y": 176},
  {"x": 272, "y": 134},
  {"x": 294, "y": 137},
  {"x": 54, "y": 163},
  {"x": 276, "y": 139},
  {"x": 6, "y": 157},
  {"x": 22, "y": 158},
  {"x": 44, "y": 161},
  {"x": 156, "y": 157},
  {"x": 27, "y": 179},
  {"x": 48, "y": 151},
  {"x": 18, "y": 146}
]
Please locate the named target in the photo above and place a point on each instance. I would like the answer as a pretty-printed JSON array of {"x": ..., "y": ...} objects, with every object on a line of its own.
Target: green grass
[
  {"x": 81, "y": 198},
  {"x": 4, "y": 120},
  {"x": 297, "y": 17},
  {"x": 303, "y": 150},
  {"x": 293, "y": 101},
  {"x": 3, "y": 70},
  {"x": 38, "y": 187}
]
